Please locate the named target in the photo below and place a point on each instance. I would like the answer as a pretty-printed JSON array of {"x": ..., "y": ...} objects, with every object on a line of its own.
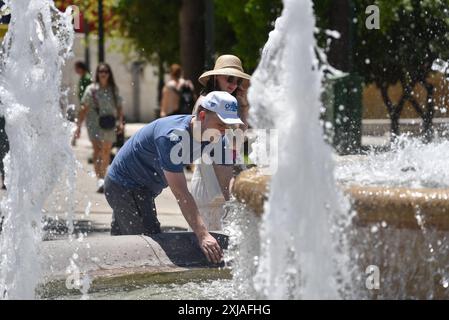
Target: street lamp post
[
  {"x": 87, "y": 46},
  {"x": 101, "y": 55}
]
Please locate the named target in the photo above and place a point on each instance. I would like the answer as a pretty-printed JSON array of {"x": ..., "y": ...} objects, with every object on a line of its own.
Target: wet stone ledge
[
  {"x": 121, "y": 259},
  {"x": 398, "y": 207}
]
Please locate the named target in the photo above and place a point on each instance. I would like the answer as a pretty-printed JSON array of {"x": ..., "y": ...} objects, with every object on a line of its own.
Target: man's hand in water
[
  {"x": 211, "y": 248},
  {"x": 208, "y": 244}
]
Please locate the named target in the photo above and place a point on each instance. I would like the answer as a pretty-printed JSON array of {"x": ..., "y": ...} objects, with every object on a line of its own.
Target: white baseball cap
[{"x": 224, "y": 105}]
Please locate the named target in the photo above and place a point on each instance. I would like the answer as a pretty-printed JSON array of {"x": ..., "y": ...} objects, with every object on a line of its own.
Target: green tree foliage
[
  {"x": 250, "y": 21},
  {"x": 412, "y": 35},
  {"x": 241, "y": 27},
  {"x": 152, "y": 27}
]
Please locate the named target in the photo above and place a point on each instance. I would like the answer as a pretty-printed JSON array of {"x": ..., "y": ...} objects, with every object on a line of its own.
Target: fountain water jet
[
  {"x": 297, "y": 252},
  {"x": 36, "y": 46},
  {"x": 397, "y": 218}
]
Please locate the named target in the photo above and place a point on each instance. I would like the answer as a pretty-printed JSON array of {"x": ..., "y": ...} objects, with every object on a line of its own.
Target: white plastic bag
[{"x": 208, "y": 196}]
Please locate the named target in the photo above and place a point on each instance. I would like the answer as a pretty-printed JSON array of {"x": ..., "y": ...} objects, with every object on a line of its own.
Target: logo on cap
[{"x": 231, "y": 107}]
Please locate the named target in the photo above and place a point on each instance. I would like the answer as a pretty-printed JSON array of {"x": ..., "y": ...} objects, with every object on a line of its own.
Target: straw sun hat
[{"x": 226, "y": 65}]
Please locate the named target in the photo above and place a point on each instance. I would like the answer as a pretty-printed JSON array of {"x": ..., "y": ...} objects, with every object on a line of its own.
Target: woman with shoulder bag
[{"x": 101, "y": 106}]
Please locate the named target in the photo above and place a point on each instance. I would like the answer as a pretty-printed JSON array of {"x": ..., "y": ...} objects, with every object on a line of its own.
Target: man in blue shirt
[{"x": 154, "y": 158}]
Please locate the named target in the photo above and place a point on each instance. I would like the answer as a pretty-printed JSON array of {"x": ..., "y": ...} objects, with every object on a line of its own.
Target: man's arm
[
  {"x": 189, "y": 209},
  {"x": 224, "y": 176}
]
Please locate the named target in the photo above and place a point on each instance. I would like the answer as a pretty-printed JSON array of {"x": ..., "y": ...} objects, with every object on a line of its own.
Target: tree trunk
[
  {"x": 161, "y": 82},
  {"x": 191, "y": 21},
  {"x": 426, "y": 113},
  {"x": 394, "y": 126},
  {"x": 394, "y": 111}
]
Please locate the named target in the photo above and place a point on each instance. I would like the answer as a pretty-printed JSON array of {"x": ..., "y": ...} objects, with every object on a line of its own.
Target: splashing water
[
  {"x": 243, "y": 250},
  {"x": 410, "y": 163},
  {"x": 36, "y": 46},
  {"x": 297, "y": 250}
]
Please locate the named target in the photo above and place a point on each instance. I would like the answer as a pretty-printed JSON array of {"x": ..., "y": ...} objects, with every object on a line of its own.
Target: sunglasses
[
  {"x": 232, "y": 79},
  {"x": 103, "y": 71}
]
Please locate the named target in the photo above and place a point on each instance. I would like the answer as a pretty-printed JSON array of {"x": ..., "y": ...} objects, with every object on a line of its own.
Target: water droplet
[
  {"x": 87, "y": 210},
  {"x": 445, "y": 283}
]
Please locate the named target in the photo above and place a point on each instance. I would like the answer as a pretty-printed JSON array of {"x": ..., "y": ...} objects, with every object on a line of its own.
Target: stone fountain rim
[{"x": 395, "y": 206}]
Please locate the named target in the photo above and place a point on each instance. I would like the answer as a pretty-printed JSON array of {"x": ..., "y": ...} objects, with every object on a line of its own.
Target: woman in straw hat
[{"x": 228, "y": 75}]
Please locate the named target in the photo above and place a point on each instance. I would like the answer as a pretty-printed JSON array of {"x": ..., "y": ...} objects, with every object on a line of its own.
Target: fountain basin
[
  {"x": 402, "y": 232},
  {"x": 124, "y": 262}
]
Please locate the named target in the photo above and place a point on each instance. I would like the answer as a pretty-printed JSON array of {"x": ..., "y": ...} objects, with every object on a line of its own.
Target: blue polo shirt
[{"x": 141, "y": 161}]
